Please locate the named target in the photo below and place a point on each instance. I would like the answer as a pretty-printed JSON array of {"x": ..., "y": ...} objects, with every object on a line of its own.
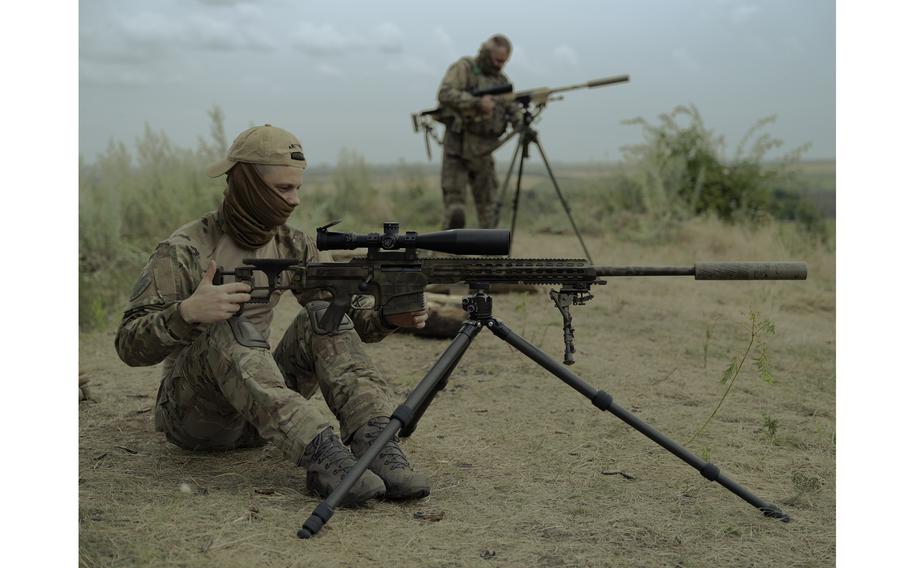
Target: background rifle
[
  {"x": 426, "y": 119},
  {"x": 396, "y": 277}
]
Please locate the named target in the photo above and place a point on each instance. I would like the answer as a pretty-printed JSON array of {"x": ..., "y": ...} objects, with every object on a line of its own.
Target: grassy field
[{"x": 525, "y": 472}]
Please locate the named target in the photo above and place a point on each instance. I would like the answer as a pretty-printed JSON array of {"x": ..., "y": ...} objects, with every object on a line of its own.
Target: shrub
[{"x": 680, "y": 171}]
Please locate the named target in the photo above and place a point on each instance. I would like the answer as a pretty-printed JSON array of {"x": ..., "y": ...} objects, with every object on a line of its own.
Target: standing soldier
[
  {"x": 473, "y": 131},
  {"x": 222, "y": 388}
]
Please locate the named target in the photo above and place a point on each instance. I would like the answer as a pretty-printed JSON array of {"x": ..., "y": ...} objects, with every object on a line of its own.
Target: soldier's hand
[
  {"x": 487, "y": 104},
  {"x": 408, "y": 319},
  {"x": 210, "y": 303}
]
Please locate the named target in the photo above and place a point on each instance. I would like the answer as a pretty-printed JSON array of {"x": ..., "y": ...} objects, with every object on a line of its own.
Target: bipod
[
  {"x": 527, "y": 137},
  {"x": 403, "y": 421}
]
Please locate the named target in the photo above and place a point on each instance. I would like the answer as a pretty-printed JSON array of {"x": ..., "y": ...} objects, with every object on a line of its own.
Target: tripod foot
[
  {"x": 320, "y": 517},
  {"x": 774, "y": 512}
]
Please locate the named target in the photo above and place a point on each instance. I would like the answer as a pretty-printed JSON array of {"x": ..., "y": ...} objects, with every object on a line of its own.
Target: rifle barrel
[
  {"x": 607, "y": 81},
  {"x": 716, "y": 270},
  {"x": 591, "y": 84}
]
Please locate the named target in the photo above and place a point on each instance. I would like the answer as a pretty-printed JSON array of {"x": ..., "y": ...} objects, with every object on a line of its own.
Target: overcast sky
[{"x": 348, "y": 74}]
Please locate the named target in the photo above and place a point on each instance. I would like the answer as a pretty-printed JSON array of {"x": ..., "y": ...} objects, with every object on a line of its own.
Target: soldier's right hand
[
  {"x": 210, "y": 303},
  {"x": 487, "y": 104}
]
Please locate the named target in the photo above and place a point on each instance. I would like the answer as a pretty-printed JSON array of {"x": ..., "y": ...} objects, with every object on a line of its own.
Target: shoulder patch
[{"x": 141, "y": 285}]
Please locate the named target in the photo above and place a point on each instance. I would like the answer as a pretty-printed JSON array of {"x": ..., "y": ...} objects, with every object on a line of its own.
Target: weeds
[
  {"x": 769, "y": 427},
  {"x": 760, "y": 329},
  {"x": 679, "y": 172}
]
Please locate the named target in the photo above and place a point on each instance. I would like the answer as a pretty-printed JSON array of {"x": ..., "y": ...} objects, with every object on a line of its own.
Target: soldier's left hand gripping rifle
[{"x": 395, "y": 276}]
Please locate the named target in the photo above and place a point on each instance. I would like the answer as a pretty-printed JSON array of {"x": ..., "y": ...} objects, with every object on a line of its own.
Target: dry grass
[{"x": 523, "y": 468}]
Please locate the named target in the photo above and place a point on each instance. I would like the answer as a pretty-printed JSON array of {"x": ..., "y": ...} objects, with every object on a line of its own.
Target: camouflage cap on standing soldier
[{"x": 267, "y": 145}]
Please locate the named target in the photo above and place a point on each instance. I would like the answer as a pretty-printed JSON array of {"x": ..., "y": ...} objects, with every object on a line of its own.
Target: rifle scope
[{"x": 454, "y": 241}]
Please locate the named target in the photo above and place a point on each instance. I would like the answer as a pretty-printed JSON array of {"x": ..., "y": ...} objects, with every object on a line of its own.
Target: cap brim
[{"x": 220, "y": 168}]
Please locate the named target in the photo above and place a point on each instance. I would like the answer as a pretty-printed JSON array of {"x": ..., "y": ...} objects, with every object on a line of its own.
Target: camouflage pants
[
  {"x": 457, "y": 173},
  {"x": 221, "y": 395}
]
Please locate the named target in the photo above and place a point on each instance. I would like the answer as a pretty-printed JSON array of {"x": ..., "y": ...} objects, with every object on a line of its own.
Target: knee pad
[
  {"x": 246, "y": 334},
  {"x": 316, "y": 309}
]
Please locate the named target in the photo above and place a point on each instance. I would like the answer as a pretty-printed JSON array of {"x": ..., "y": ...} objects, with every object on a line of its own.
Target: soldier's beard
[{"x": 252, "y": 210}]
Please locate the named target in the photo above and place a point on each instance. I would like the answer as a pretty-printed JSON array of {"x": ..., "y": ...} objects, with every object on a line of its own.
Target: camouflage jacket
[
  {"x": 468, "y": 133},
  {"x": 152, "y": 329}
]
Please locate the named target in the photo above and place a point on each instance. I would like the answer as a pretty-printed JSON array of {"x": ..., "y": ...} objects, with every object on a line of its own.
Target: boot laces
[
  {"x": 391, "y": 454},
  {"x": 334, "y": 456}
]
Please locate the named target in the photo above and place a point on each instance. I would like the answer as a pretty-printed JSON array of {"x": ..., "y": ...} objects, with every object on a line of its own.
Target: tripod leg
[
  {"x": 521, "y": 164},
  {"x": 505, "y": 186},
  {"x": 405, "y": 416},
  {"x": 436, "y": 379},
  {"x": 604, "y": 401},
  {"x": 565, "y": 204}
]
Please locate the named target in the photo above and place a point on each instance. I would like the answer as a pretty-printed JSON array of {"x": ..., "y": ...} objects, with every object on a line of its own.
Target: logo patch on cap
[{"x": 296, "y": 153}]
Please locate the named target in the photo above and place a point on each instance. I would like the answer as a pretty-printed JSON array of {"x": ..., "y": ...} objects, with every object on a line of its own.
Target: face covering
[
  {"x": 485, "y": 61},
  {"x": 253, "y": 211}
]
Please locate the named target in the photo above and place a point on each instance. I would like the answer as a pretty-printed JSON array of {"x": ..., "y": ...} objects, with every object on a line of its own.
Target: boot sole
[{"x": 407, "y": 495}]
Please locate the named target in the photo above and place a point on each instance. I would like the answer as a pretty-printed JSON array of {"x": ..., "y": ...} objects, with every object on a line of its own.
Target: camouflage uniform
[
  {"x": 469, "y": 142},
  {"x": 217, "y": 393}
]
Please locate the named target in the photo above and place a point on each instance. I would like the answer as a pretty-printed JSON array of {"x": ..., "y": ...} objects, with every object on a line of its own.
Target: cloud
[
  {"x": 219, "y": 35},
  {"x": 225, "y": 3},
  {"x": 744, "y": 12},
  {"x": 325, "y": 39},
  {"x": 566, "y": 55},
  {"x": 149, "y": 36},
  {"x": 329, "y": 70},
  {"x": 100, "y": 75},
  {"x": 445, "y": 41},
  {"x": 412, "y": 65},
  {"x": 685, "y": 59},
  {"x": 520, "y": 59},
  {"x": 388, "y": 38}
]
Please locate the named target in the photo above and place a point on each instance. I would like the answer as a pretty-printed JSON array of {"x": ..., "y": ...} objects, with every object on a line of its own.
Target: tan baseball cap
[{"x": 264, "y": 144}]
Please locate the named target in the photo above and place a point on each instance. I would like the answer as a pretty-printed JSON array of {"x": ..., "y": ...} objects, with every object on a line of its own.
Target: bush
[
  {"x": 127, "y": 207},
  {"x": 679, "y": 172}
]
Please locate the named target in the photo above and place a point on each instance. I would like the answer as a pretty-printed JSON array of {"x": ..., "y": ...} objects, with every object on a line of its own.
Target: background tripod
[
  {"x": 479, "y": 307},
  {"x": 527, "y": 136}
]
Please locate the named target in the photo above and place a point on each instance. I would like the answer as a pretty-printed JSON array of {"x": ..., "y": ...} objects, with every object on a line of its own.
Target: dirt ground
[{"x": 525, "y": 471}]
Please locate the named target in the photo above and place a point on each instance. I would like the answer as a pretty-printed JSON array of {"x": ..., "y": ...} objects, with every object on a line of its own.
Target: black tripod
[
  {"x": 480, "y": 315},
  {"x": 527, "y": 136}
]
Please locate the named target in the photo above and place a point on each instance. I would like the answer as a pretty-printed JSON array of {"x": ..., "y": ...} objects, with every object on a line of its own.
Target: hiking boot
[
  {"x": 330, "y": 461},
  {"x": 401, "y": 481}
]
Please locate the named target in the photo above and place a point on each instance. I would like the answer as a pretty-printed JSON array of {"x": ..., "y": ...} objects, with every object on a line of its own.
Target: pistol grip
[{"x": 338, "y": 308}]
